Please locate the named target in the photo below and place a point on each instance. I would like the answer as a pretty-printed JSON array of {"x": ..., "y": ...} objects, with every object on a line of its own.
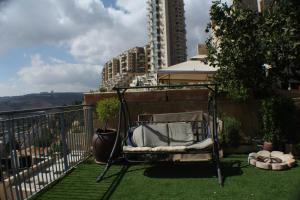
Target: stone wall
[{"x": 150, "y": 102}]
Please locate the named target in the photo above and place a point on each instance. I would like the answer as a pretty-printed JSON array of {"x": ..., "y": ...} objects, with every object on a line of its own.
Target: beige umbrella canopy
[{"x": 191, "y": 71}]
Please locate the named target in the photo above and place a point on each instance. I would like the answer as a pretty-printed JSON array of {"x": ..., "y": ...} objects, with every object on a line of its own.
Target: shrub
[
  {"x": 107, "y": 109},
  {"x": 231, "y": 134},
  {"x": 102, "y": 89},
  {"x": 278, "y": 120}
]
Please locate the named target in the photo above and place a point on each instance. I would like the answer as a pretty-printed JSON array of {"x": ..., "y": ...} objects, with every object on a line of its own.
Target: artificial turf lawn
[{"x": 178, "y": 181}]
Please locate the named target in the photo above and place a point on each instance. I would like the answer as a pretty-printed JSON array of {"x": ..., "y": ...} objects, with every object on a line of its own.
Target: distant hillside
[{"x": 41, "y": 100}]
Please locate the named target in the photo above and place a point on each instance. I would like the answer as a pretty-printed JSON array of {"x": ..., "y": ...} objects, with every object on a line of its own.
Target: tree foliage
[
  {"x": 107, "y": 109},
  {"x": 243, "y": 41},
  {"x": 280, "y": 40},
  {"x": 279, "y": 122}
]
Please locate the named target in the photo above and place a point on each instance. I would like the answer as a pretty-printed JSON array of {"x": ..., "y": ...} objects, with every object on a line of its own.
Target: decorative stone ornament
[{"x": 274, "y": 160}]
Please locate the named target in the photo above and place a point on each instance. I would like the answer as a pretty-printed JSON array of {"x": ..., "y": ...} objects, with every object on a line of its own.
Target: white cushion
[
  {"x": 136, "y": 149},
  {"x": 169, "y": 149},
  {"x": 178, "y": 117},
  {"x": 151, "y": 135},
  {"x": 181, "y": 134},
  {"x": 201, "y": 145}
]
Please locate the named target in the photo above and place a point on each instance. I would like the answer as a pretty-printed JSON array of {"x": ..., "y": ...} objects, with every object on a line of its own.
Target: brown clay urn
[{"x": 103, "y": 142}]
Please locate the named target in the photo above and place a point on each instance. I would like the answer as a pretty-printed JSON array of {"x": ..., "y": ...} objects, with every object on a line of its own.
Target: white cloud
[
  {"x": 55, "y": 75},
  {"x": 127, "y": 28},
  {"x": 91, "y": 32},
  {"x": 197, "y": 18}
]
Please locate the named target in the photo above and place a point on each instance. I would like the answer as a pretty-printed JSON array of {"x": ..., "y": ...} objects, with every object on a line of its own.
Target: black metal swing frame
[{"x": 126, "y": 122}]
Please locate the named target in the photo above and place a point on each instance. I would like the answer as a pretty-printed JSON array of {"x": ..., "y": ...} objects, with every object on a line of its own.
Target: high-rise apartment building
[
  {"x": 249, "y": 4},
  {"x": 255, "y": 5},
  {"x": 122, "y": 69},
  {"x": 167, "y": 46},
  {"x": 166, "y": 32},
  {"x": 202, "y": 49},
  {"x": 263, "y": 4},
  {"x": 147, "y": 58}
]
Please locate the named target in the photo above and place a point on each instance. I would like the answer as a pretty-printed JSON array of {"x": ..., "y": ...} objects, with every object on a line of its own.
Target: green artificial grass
[{"x": 177, "y": 181}]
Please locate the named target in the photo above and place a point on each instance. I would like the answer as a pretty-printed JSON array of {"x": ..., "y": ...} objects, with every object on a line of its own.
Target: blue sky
[
  {"x": 62, "y": 45},
  {"x": 11, "y": 60},
  {"x": 108, "y": 3}
]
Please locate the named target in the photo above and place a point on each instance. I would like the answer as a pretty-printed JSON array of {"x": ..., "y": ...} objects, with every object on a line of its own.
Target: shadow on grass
[
  {"x": 176, "y": 171},
  {"x": 115, "y": 183},
  {"x": 193, "y": 170}
]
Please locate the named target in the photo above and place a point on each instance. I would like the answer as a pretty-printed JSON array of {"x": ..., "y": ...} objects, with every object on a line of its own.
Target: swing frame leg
[
  {"x": 110, "y": 160},
  {"x": 101, "y": 176},
  {"x": 218, "y": 168}
]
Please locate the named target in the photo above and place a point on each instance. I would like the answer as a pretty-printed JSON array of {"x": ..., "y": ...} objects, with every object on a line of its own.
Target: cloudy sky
[{"x": 61, "y": 45}]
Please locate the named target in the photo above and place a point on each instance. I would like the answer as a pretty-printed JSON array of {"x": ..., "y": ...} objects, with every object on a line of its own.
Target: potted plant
[
  {"x": 269, "y": 130},
  {"x": 104, "y": 138}
]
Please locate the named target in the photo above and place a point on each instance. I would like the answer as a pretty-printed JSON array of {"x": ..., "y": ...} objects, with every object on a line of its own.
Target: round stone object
[{"x": 264, "y": 153}]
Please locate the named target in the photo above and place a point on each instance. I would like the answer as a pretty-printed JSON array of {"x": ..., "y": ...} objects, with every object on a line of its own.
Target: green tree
[
  {"x": 235, "y": 49},
  {"x": 279, "y": 122},
  {"x": 243, "y": 41},
  {"x": 280, "y": 40},
  {"x": 107, "y": 109}
]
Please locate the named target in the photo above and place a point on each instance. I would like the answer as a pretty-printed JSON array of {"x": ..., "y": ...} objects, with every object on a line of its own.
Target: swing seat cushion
[
  {"x": 200, "y": 145},
  {"x": 163, "y": 134},
  {"x": 150, "y": 135},
  {"x": 178, "y": 117},
  {"x": 180, "y": 134},
  {"x": 205, "y": 144}
]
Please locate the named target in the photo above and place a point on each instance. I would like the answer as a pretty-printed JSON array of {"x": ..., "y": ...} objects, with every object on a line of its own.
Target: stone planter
[{"x": 274, "y": 160}]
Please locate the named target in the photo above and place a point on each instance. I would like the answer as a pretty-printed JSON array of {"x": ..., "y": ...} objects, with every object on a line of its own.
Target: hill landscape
[{"x": 40, "y": 100}]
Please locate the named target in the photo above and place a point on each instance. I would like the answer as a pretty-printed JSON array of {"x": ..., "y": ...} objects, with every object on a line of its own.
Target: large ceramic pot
[{"x": 103, "y": 142}]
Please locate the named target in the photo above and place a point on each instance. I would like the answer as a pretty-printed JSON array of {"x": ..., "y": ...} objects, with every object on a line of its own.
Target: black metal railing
[{"x": 39, "y": 146}]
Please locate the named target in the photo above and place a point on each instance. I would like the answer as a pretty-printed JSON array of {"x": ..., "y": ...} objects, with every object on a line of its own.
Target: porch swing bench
[
  {"x": 173, "y": 133},
  {"x": 168, "y": 133}
]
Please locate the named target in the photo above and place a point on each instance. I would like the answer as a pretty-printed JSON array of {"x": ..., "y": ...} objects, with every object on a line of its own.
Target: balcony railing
[{"x": 37, "y": 147}]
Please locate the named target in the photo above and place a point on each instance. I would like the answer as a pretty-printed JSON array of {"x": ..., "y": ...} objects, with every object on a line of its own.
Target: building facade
[
  {"x": 202, "y": 49},
  {"x": 167, "y": 33},
  {"x": 122, "y": 69},
  {"x": 255, "y": 5},
  {"x": 167, "y": 47},
  {"x": 249, "y": 4}
]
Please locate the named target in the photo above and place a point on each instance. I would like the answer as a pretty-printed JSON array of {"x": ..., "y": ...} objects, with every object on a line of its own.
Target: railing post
[
  {"x": 89, "y": 126},
  {"x": 14, "y": 158},
  {"x": 63, "y": 140},
  {"x": 27, "y": 133}
]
